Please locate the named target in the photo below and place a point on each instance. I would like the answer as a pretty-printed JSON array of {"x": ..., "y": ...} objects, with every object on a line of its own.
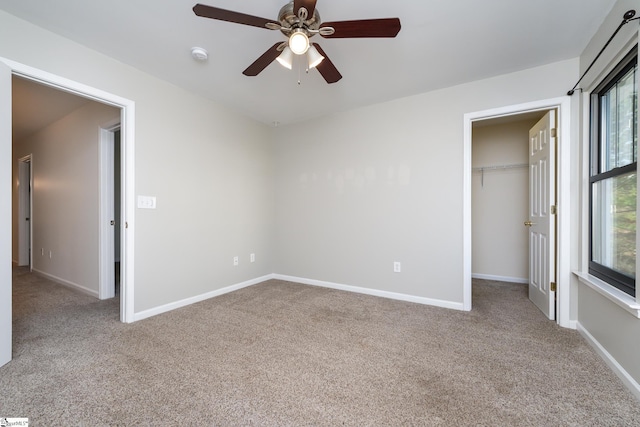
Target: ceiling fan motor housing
[{"x": 290, "y": 21}]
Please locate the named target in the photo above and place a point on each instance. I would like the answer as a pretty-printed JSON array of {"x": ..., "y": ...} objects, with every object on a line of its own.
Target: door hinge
[
  {"x": 552, "y": 286},
  {"x": 554, "y": 209},
  {"x": 553, "y": 133}
]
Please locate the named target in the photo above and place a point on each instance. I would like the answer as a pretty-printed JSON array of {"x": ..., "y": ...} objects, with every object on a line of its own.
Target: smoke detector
[{"x": 199, "y": 54}]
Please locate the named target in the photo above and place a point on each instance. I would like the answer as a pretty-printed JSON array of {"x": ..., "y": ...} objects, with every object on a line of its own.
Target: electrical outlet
[
  {"x": 236, "y": 260},
  {"x": 397, "y": 267},
  {"x": 252, "y": 257}
]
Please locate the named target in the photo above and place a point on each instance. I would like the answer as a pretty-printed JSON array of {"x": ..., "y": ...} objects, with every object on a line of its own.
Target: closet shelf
[
  {"x": 483, "y": 169},
  {"x": 500, "y": 167}
]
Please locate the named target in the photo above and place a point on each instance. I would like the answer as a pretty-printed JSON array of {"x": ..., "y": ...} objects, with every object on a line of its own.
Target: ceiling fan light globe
[
  {"x": 286, "y": 58},
  {"x": 314, "y": 57},
  {"x": 299, "y": 43}
]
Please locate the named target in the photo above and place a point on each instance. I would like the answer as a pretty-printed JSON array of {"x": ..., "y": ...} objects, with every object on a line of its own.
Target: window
[{"x": 613, "y": 180}]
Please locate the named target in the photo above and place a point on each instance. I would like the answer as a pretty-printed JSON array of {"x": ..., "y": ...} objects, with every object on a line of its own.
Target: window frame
[{"x": 630, "y": 61}]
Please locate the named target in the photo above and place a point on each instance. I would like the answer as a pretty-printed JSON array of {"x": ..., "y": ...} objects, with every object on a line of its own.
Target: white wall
[
  {"x": 384, "y": 183},
  {"x": 610, "y": 327},
  {"x": 500, "y": 201},
  {"x": 64, "y": 198},
  {"x": 209, "y": 168}
]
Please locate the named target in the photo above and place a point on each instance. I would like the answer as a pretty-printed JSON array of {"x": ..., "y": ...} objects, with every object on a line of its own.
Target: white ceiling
[
  {"x": 441, "y": 43},
  {"x": 35, "y": 106}
]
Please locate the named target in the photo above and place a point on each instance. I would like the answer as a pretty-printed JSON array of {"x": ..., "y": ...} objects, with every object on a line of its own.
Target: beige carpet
[{"x": 286, "y": 354}]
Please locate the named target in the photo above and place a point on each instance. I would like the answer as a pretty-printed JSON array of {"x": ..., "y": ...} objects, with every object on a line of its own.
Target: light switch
[{"x": 146, "y": 202}]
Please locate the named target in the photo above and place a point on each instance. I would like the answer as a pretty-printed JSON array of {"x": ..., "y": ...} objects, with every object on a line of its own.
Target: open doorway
[
  {"x": 126, "y": 116},
  {"x": 500, "y": 190},
  {"x": 514, "y": 221},
  {"x": 57, "y": 202},
  {"x": 54, "y": 224},
  {"x": 561, "y": 106}
]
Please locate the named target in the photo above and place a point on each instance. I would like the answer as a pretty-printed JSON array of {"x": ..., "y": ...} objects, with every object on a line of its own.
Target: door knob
[{"x": 529, "y": 223}]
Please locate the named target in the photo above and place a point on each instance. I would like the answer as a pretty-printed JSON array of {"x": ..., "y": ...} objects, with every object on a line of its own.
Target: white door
[
  {"x": 107, "y": 216},
  {"x": 542, "y": 218},
  {"x": 24, "y": 211},
  {"x": 5, "y": 214}
]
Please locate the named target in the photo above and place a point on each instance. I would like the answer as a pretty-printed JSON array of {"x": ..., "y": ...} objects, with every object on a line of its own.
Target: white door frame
[
  {"x": 25, "y": 210},
  {"x": 563, "y": 106},
  {"x": 6, "y": 187},
  {"x": 127, "y": 120}
]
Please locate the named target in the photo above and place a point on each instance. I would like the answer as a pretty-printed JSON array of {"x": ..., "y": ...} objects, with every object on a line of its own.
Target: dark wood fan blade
[
  {"x": 387, "y": 27},
  {"x": 310, "y": 5},
  {"x": 326, "y": 67},
  {"x": 261, "y": 63},
  {"x": 230, "y": 16}
]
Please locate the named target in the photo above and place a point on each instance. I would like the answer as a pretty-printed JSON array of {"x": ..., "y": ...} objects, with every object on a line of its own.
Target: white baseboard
[
  {"x": 67, "y": 283},
  {"x": 375, "y": 292},
  {"x": 508, "y": 279},
  {"x": 627, "y": 379},
  {"x": 384, "y": 294},
  {"x": 188, "y": 301}
]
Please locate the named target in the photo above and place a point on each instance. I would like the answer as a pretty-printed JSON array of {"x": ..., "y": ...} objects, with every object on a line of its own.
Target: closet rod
[
  {"x": 499, "y": 167},
  {"x": 483, "y": 169}
]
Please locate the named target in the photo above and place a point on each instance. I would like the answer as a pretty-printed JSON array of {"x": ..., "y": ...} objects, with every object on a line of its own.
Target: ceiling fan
[{"x": 299, "y": 20}]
